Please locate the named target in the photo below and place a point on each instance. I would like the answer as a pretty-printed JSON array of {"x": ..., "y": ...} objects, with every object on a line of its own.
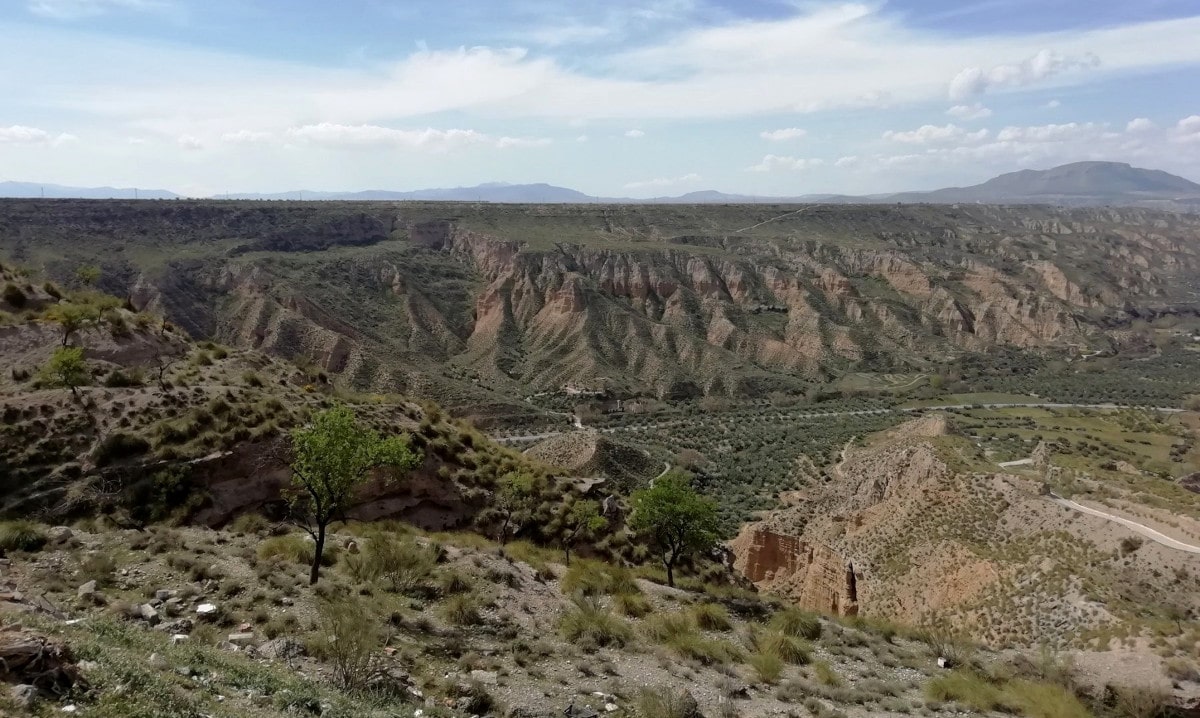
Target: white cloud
[
  {"x": 664, "y": 181},
  {"x": 782, "y": 135},
  {"x": 1053, "y": 105},
  {"x": 1045, "y": 64},
  {"x": 635, "y": 134},
  {"x": 933, "y": 134},
  {"x": 22, "y": 135},
  {"x": 75, "y": 9},
  {"x": 248, "y": 137},
  {"x": 190, "y": 143},
  {"x": 969, "y": 112},
  {"x": 1188, "y": 129},
  {"x": 582, "y": 138},
  {"x": 770, "y": 163},
  {"x": 1140, "y": 124},
  {"x": 1050, "y": 133},
  {"x": 366, "y": 136},
  {"x": 847, "y": 161}
]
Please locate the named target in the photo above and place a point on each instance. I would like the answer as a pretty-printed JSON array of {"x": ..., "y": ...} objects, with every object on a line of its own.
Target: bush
[
  {"x": 963, "y": 687},
  {"x": 768, "y": 666},
  {"x": 295, "y": 548},
  {"x": 403, "y": 564},
  {"x": 118, "y": 446},
  {"x": 1042, "y": 700},
  {"x": 14, "y": 296},
  {"x": 711, "y": 617},
  {"x": 348, "y": 635},
  {"x": 594, "y": 578},
  {"x": 665, "y": 702},
  {"x": 118, "y": 379},
  {"x": 634, "y": 605},
  {"x": 249, "y": 524},
  {"x": 826, "y": 675},
  {"x": 590, "y": 626},
  {"x": 788, "y": 648},
  {"x": 22, "y": 536},
  {"x": 797, "y": 623},
  {"x": 462, "y": 610}
]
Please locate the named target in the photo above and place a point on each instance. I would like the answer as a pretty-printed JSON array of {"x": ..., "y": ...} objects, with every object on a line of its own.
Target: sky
[{"x": 614, "y": 98}]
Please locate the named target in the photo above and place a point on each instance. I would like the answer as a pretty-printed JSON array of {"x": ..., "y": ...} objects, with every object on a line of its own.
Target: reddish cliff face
[{"x": 813, "y": 575}]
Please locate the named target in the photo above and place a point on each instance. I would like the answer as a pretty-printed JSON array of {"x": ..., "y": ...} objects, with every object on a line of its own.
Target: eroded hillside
[
  {"x": 482, "y": 302},
  {"x": 922, "y": 525}
]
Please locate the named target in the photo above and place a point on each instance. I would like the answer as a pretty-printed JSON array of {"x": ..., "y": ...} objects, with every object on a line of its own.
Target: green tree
[
  {"x": 516, "y": 498},
  {"x": 68, "y": 369},
  {"x": 675, "y": 519},
  {"x": 582, "y": 520},
  {"x": 71, "y": 317},
  {"x": 87, "y": 274},
  {"x": 331, "y": 458}
]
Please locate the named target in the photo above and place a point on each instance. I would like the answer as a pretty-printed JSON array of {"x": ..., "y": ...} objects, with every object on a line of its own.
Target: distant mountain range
[
  {"x": 1075, "y": 184},
  {"x": 57, "y": 191}
]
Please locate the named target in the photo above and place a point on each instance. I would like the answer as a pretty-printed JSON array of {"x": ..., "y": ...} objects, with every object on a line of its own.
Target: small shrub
[
  {"x": 768, "y": 666},
  {"x": 797, "y": 623},
  {"x": 634, "y": 605},
  {"x": 118, "y": 446},
  {"x": 403, "y": 564},
  {"x": 22, "y": 536},
  {"x": 14, "y": 296},
  {"x": 347, "y": 637},
  {"x": 963, "y": 687},
  {"x": 98, "y": 567},
  {"x": 665, "y": 702},
  {"x": 826, "y": 675},
  {"x": 249, "y": 524},
  {"x": 711, "y": 617},
  {"x": 292, "y": 548},
  {"x": 788, "y": 648},
  {"x": 452, "y": 582},
  {"x": 462, "y": 610},
  {"x": 590, "y": 626},
  {"x": 1035, "y": 699}
]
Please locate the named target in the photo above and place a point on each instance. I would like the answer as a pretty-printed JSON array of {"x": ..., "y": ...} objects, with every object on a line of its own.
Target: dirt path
[{"x": 1131, "y": 525}]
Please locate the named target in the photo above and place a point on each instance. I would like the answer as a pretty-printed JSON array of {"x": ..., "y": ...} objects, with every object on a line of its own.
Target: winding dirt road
[{"x": 1131, "y": 525}]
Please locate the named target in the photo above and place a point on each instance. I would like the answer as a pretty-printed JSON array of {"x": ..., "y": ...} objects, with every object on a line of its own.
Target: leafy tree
[
  {"x": 71, "y": 317},
  {"x": 332, "y": 457},
  {"x": 68, "y": 369},
  {"x": 87, "y": 274},
  {"x": 676, "y": 519},
  {"x": 582, "y": 520},
  {"x": 516, "y": 498}
]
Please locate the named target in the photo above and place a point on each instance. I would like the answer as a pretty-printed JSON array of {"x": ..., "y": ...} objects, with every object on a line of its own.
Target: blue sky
[{"x": 614, "y": 98}]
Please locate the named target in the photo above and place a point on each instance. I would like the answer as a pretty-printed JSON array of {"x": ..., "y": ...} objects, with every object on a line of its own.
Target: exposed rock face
[{"x": 814, "y": 576}]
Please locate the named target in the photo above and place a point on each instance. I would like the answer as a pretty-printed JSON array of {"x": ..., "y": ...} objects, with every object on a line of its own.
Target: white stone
[
  {"x": 179, "y": 638},
  {"x": 206, "y": 609}
]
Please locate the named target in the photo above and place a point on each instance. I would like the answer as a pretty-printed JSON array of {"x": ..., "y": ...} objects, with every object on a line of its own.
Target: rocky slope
[
  {"x": 903, "y": 529},
  {"x": 476, "y": 303}
]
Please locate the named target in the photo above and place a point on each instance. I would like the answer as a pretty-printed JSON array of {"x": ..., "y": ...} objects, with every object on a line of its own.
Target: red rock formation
[{"x": 813, "y": 575}]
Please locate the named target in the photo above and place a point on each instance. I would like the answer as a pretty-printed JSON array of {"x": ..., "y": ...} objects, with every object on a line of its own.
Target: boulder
[
  {"x": 148, "y": 613},
  {"x": 241, "y": 639},
  {"x": 87, "y": 591},
  {"x": 281, "y": 649},
  {"x": 23, "y": 695},
  {"x": 59, "y": 534}
]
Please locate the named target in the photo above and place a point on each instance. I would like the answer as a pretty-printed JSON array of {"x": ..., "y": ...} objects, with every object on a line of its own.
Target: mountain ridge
[{"x": 1088, "y": 183}]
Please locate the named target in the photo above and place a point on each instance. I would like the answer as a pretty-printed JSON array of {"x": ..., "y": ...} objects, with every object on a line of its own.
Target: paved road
[
  {"x": 833, "y": 414},
  {"x": 1132, "y": 525}
]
